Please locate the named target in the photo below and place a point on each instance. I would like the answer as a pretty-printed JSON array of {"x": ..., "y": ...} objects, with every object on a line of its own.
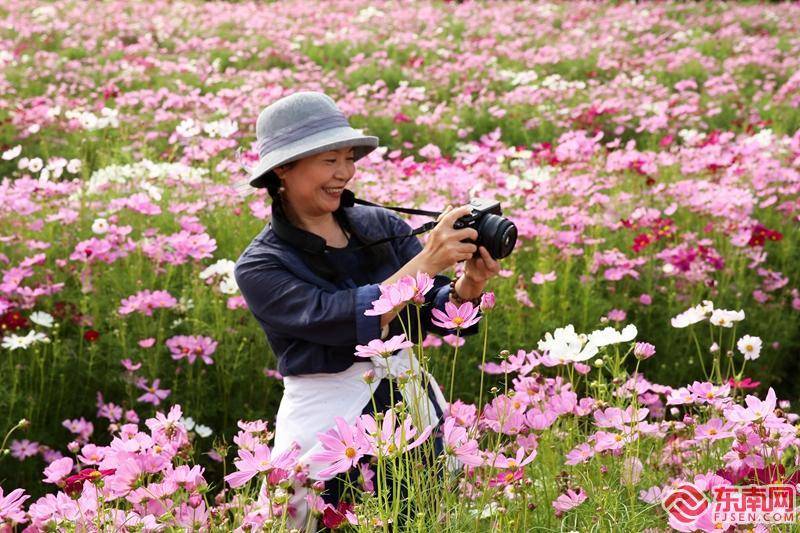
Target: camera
[{"x": 495, "y": 233}]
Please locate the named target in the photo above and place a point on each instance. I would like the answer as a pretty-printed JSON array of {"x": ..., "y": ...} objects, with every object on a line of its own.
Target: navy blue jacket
[{"x": 312, "y": 324}]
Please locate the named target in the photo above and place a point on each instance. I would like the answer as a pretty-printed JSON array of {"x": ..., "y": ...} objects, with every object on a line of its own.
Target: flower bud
[
  {"x": 598, "y": 363},
  {"x": 368, "y": 376},
  {"x": 487, "y": 301},
  {"x": 714, "y": 348},
  {"x": 195, "y": 500},
  {"x": 643, "y": 350}
]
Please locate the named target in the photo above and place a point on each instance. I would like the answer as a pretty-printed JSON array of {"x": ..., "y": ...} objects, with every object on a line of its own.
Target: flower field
[{"x": 644, "y": 334}]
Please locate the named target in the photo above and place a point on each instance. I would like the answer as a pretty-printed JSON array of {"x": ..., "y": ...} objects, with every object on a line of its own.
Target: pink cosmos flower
[
  {"x": 454, "y": 317},
  {"x": 191, "y": 347},
  {"x": 260, "y": 461},
  {"x": 459, "y": 445},
  {"x": 431, "y": 340},
  {"x": 614, "y": 417},
  {"x": 168, "y": 429},
  {"x": 381, "y": 348},
  {"x": 22, "y": 449},
  {"x": 394, "y": 296},
  {"x": 756, "y": 410},
  {"x": 91, "y": 454},
  {"x": 152, "y": 393},
  {"x": 390, "y": 440},
  {"x": 421, "y": 283},
  {"x": 145, "y": 301},
  {"x": 569, "y": 500},
  {"x": 579, "y": 454},
  {"x": 713, "y": 430},
  {"x": 512, "y": 464},
  {"x": 130, "y": 366},
  {"x": 454, "y": 340},
  {"x": 464, "y": 414},
  {"x": 58, "y": 470},
  {"x": 11, "y": 507},
  {"x": 503, "y": 415},
  {"x": 540, "y": 279},
  {"x": 147, "y": 343},
  {"x": 616, "y": 315},
  {"x": 366, "y": 475},
  {"x": 79, "y": 427},
  {"x": 343, "y": 448}
]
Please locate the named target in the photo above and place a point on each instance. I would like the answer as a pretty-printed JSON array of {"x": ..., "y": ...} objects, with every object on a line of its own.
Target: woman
[{"x": 308, "y": 282}]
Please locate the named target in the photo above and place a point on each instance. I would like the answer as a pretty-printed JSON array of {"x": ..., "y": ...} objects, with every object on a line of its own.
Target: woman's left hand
[{"x": 478, "y": 270}]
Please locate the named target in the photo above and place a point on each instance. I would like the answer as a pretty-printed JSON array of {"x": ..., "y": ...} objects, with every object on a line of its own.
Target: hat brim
[{"x": 332, "y": 139}]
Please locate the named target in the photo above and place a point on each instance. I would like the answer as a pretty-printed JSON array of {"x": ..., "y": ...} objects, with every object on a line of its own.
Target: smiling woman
[
  {"x": 311, "y": 277},
  {"x": 312, "y": 190}
]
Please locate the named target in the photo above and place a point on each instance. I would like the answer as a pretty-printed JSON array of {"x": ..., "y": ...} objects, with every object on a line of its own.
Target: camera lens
[{"x": 497, "y": 234}]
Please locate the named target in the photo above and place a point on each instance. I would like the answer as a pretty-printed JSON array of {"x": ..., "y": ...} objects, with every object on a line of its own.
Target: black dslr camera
[{"x": 495, "y": 233}]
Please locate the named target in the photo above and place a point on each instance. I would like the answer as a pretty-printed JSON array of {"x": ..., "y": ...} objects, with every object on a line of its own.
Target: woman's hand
[
  {"x": 444, "y": 247},
  {"x": 478, "y": 270}
]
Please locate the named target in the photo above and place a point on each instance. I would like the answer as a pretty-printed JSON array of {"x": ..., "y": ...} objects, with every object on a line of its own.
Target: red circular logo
[{"x": 685, "y": 503}]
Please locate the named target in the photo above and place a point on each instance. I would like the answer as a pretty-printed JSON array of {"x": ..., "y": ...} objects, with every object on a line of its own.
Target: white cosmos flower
[
  {"x": 35, "y": 164},
  {"x": 13, "y": 342},
  {"x": 41, "y": 318},
  {"x": 725, "y": 318},
  {"x": 750, "y": 347},
  {"x": 203, "y": 431},
  {"x": 11, "y": 153},
  {"x": 74, "y": 166},
  {"x": 609, "y": 335},
  {"x": 693, "y": 315},
  {"x": 188, "y": 422},
  {"x": 228, "y": 285},
  {"x": 223, "y": 267},
  {"x": 100, "y": 226},
  {"x": 566, "y": 345},
  {"x": 187, "y": 128},
  {"x": 36, "y": 336}
]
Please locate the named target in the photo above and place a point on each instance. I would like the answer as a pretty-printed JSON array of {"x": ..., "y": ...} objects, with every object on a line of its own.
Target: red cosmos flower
[
  {"x": 746, "y": 383},
  {"x": 335, "y": 517},
  {"x": 12, "y": 321},
  {"x": 401, "y": 117},
  {"x": 760, "y": 233},
  {"x": 91, "y": 335},
  {"x": 73, "y": 485},
  {"x": 641, "y": 241}
]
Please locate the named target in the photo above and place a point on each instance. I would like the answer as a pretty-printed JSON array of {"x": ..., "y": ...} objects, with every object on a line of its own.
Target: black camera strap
[
  {"x": 349, "y": 199},
  {"x": 314, "y": 244}
]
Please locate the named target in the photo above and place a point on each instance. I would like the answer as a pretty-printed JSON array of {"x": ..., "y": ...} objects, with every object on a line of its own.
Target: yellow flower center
[
  {"x": 350, "y": 452},
  {"x": 458, "y": 321},
  {"x": 748, "y": 348}
]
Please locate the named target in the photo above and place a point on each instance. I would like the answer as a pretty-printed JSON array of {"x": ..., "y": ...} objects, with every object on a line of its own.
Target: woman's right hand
[{"x": 444, "y": 247}]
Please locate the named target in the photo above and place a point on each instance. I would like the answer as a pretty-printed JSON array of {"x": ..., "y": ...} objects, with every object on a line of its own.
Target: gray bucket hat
[{"x": 299, "y": 125}]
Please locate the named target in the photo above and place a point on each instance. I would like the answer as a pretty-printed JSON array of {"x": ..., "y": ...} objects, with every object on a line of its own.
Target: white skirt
[{"x": 311, "y": 401}]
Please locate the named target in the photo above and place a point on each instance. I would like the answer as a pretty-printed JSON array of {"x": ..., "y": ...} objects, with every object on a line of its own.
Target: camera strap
[
  {"x": 315, "y": 245},
  {"x": 349, "y": 199}
]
